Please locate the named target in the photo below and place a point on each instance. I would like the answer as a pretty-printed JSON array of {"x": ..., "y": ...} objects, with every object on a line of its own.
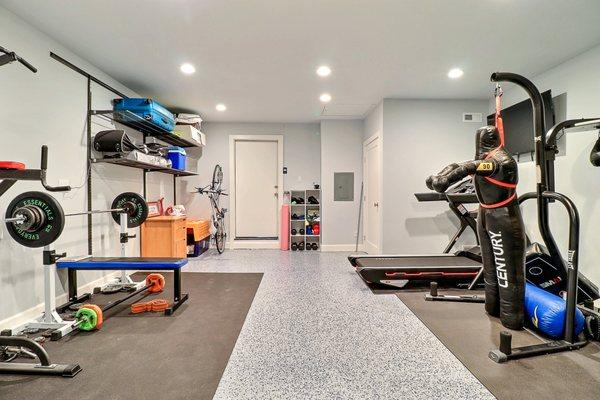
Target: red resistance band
[{"x": 500, "y": 127}]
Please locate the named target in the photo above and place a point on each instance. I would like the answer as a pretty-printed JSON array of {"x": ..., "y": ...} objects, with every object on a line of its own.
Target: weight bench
[{"x": 74, "y": 264}]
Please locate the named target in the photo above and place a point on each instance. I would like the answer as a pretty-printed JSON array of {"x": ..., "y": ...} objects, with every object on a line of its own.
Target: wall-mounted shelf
[
  {"x": 130, "y": 120},
  {"x": 142, "y": 165},
  {"x": 138, "y": 123}
]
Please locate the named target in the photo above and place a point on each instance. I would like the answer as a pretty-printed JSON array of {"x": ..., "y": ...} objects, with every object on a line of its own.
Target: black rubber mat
[
  {"x": 470, "y": 334},
  {"x": 150, "y": 356}
]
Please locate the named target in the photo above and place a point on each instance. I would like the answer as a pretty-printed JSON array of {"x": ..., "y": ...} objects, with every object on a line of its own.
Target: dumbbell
[
  {"x": 294, "y": 246},
  {"x": 301, "y": 246},
  {"x": 301, "y": 231},
  {"x": 315, "y": 246},
  {"x": 294, "y": 231}
]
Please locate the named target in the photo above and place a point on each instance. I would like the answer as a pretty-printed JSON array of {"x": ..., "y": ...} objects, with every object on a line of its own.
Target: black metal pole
[
  {"x": 572, "y": 263},
  {"x": 174, "y": 189},
  {"x": 540, "y": 157},
  {"x": 87, "y": 75},
  {"x": 89, "y": 166},
  {"x": 176, "y": 285}
]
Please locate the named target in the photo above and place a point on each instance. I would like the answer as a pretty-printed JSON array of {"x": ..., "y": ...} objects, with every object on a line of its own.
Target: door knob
[{"x": 376, "y": 204}]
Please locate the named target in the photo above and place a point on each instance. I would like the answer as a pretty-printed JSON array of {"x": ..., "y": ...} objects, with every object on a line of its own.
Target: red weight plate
[{"x": 12, "y": 165}]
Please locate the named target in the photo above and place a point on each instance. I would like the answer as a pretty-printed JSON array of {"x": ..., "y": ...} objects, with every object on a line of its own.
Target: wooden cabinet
[{"x": 164, "y": 237}]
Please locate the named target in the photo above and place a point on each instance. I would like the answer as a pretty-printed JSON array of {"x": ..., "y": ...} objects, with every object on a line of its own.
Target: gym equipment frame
[
  {"x": 544, "y": 158},
  {"x": 398, "y": 270},
  {"x": 44, "y": 367}
]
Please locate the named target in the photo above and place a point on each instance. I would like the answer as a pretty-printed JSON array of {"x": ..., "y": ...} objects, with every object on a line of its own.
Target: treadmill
[{"x": 464, "y": 266}]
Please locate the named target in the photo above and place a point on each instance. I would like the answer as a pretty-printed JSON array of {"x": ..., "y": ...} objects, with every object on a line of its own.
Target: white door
[
  {"x": 372, "y": 178},
  {"x": 256, "y": 189}
]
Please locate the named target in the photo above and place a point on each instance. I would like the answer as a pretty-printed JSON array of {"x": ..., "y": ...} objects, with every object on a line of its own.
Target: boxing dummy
[{"x": 499, "y": 223}]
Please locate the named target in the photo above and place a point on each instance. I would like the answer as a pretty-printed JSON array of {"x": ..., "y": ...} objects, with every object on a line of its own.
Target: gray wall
[
  {"x": 420, "y": 137},
  {"x": 373, "y": 122},
  {"x": 341, "y": 147},
  {"x": 301, "y": 155},
  {"x": 50, "y": 108},
  {"x": 579, "y": 78}
]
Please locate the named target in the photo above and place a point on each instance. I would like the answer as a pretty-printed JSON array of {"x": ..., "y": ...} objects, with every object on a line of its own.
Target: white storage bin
[{"x": 190, "y": 133}]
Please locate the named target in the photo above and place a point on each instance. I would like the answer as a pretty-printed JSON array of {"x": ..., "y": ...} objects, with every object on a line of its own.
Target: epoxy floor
[{"x": 315, "y": 331}]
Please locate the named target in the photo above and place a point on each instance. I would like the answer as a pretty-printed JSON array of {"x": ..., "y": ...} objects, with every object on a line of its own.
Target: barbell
[{"x": 36, "y": 219}]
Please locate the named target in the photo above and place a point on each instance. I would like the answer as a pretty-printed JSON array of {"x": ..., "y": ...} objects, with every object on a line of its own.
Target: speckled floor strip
[{"x": 314, "y": 331}]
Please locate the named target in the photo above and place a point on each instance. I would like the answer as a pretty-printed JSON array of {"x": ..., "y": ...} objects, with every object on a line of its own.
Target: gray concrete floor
[{"x": 315, "y": 331}]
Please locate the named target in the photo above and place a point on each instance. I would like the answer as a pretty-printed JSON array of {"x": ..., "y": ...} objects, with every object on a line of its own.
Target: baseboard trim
[
  {"x": 341, "y": 247},
  {"x": 36, "y": 311},
  {"x": 254, "y": 244}
]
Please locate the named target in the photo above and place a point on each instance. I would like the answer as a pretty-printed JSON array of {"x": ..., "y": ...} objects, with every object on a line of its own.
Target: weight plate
[
  {"x": 99, "y": 314},
  {"x": 87, "y": 318},
  {"x": 49, "y": 229},
  {"x": 75, "y": 306},
  {"x": 156, "y": 282},
  {"x": 135, "y": 205}
]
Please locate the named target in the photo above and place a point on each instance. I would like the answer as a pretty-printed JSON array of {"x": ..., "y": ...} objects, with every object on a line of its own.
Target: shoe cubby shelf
[{"x": 310, "y": 214}]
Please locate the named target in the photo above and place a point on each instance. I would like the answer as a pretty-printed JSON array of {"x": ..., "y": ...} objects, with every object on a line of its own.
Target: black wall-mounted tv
[{"x": 518, "y": 124}]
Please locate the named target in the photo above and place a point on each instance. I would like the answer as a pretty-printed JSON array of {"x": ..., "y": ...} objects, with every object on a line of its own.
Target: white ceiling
[{"x": 259, "y": 56}]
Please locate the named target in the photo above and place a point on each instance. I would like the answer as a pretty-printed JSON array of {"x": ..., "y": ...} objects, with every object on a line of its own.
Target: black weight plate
[
  {"x": 49, "y": 231},
  {"x": 137, "y": 204}
]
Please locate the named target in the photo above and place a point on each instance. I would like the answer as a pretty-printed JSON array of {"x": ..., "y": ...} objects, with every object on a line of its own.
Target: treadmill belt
[{"x": 412, "y": 261}]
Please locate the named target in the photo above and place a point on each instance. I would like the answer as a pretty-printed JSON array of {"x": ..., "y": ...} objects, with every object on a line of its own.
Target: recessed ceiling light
[
  {"x": 325, "y": 97},
  {"x": 187, "y": 68},
  {"x": 323, "y": 71},
  {"x": 221, "y": 107},
  {"x": 455, "y": 73}
]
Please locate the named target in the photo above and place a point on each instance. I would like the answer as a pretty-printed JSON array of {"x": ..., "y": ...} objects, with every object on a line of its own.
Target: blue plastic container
[{"x": 177, "y": 157}]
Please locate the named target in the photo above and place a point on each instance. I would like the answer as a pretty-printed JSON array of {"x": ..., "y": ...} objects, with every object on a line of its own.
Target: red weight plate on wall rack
[{"x": 12, "y": 165}]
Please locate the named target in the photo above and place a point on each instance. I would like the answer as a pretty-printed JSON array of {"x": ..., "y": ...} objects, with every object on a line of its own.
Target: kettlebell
[
  {"x": 301, "y": 231},
  {"x": 294, "y": 231},
  {"x": 301, "y": 246},
  {"x": 315, "y": 246},
  {"x": 294, "y": 246}
]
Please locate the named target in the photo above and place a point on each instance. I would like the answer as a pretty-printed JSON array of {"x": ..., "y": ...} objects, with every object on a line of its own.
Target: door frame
[
  {"x": 366, "y": 143},
  {"x": 254, "y": 244}
]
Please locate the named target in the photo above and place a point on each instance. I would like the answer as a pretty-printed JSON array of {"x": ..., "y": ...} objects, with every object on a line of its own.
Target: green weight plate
[
  {"x": 87, "y": 318},
  {"x": 136, "y": 206},
  {"x": 50, "y": 225}
]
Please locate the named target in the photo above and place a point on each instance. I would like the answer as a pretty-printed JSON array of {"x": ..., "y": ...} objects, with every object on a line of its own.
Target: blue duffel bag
[
  {"x": 547, "y": 312},
  {"x": 152, "y": 112}
]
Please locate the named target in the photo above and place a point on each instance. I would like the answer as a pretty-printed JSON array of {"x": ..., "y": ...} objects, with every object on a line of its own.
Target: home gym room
[{"x": 299, "y": 199}]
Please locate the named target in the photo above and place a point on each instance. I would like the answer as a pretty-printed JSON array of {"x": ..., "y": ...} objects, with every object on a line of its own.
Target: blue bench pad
[{"x": 120, "y": 263}]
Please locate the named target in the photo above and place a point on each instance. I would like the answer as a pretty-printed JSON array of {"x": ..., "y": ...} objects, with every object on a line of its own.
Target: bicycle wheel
[
  {"x": 217, "y": 178},
  {"x": 220, "y": 237}
]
